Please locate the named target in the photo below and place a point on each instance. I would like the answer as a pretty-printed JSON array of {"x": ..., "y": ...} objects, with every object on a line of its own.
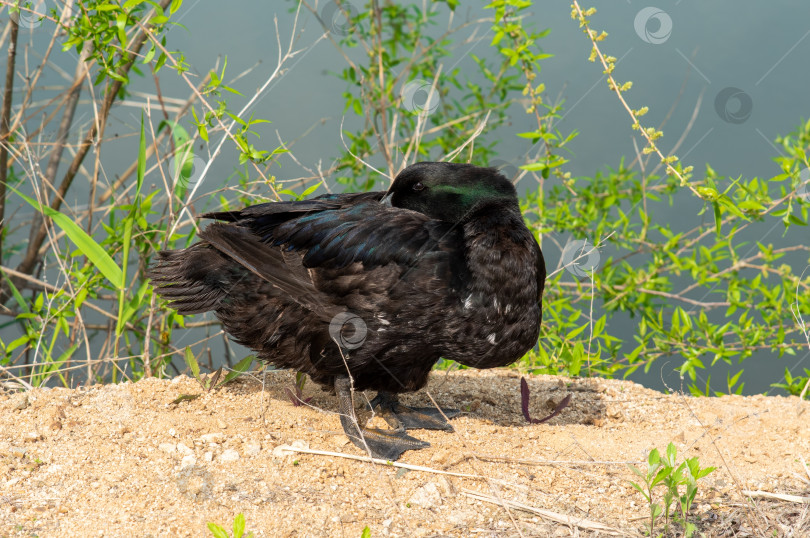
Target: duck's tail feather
[{"x": 194, "y": 280}]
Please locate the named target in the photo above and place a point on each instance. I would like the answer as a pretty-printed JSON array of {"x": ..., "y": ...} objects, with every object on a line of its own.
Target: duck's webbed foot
[
  {"x": 383, "y": 444},
  {"x": 401, "y": 417}
]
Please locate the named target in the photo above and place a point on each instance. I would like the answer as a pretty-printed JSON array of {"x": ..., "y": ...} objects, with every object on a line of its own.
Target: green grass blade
[
  {"x": 86, "y": 244},
  {"x": 21, "y": 302}
]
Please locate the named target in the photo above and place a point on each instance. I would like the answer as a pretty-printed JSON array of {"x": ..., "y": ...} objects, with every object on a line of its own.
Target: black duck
[{"x": 378, "y": 285}]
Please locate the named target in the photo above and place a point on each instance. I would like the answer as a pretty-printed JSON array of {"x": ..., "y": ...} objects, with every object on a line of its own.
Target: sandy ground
[{"x": 123, "y": 460}]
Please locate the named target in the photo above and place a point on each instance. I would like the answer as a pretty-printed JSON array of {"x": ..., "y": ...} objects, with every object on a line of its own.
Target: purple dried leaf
[
  {"x": 293, "y": 397},
  {"x": 524, "y": 404},
  {"x": 557, "y": 410},
  {"x": 524, "y": 399},
  {"x": 296, "y": 397}
]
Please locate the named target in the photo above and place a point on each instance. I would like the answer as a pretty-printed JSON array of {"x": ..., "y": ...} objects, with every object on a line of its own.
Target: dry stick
[
  {"x": 64, "y": 271},
  {"x": 777, "y": 496},
  {"x": 617, "y": 90},
  {"x": 4, "y": 124},
  {"x": 555, "y": 462},
  {"x": 32, "y": 81},
  {"x": 152, "y": 148},
  {"x": 25, "y": 384},
  {"x": 375, "y": 6},
  {"x": 548, "y": 514},
  {"x": 497, "y": 494},
  {"x": 794, "y": 309},
  {"x": 353, "y": 418},
  {"x": 276, "y": 72},
  {"x": 713, "y": 441},
  {"x": 71, "y": 100},
  {"x": 97, "y": 130},
  {"x": 388, "y": 463}
]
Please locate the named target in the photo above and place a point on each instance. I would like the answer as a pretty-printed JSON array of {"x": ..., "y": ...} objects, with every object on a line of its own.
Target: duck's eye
[{"x": 418, "y": 186}]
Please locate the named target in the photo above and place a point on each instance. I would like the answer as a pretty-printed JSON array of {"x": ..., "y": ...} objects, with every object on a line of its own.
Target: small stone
[
  {"x": 338, "y": 440},
  {"x": 460, "y": 517},
  {"x": 32, "y": 436},
  {"x": 172, "y": 432},
  {"x": 183, "y": 449},
  {"x": 446, "y": 486},
  {"x": 21, "y": 403},
  {"x": 229, "y": 455},
  {"x": 216, "y": 437},
  {"x": 426, "y": 496},
  {"x": 222, "y": 425},
  {"x": 441, "y": 457},
  {"x": 208, "y": 456},
  {"x": 188, "y": 461},
  {"x": 169, "y": 448},
  {"x": 17, "y": 452},
  {"x": 290, "y": 450},
  {"x": 252, "y": 449}
]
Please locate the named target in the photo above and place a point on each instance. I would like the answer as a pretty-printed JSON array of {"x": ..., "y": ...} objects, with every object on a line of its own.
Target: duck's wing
[
  {"x": 330, "y": 232},
  {"x": 284, "y": 245},
  {"x": 264, "y": 217}
]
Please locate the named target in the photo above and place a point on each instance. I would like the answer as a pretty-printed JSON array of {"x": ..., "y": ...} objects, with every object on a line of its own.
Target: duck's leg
[
  {"x": 383, "y": 444},
  {"x": 403, "y": 417}
]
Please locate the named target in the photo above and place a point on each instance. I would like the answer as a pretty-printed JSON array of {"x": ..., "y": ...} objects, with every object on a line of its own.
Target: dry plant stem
[
  {"x": 548, "y": 514},
  {"x": 726, "y": 466},
  {"x": 777, "y": 496},
  {"x": 282, "y": 58},
  {"x": 151, "y": 149},
  {"x": 353, "y": 417},
  {"x": 95, "y": 133},
  {"x": 490, "y": 484},
  {"x": 71, "y": 100},
  {"x": 617, "y": 90},
  {"x": 555, "y": 462},
  {"x": 5, "y": 114},
  {"x": 381, "y": 74},
  {"x": 32, "y": 81},
  {"x": 408, "y": 466},
  {"x": 73, "y": 292}
]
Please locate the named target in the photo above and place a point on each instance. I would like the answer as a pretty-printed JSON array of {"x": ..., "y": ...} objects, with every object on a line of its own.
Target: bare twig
[
  {"x": 5, "y": 113},
  {"x": 95, "y": 133},
  {"x": 396, "y": 464},
  {"x": 548, "y": 514},
  {"x": 777, "y": 496}
]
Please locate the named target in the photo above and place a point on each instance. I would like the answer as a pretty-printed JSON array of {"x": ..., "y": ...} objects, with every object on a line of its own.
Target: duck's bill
[{"x": 386, "y": 200}]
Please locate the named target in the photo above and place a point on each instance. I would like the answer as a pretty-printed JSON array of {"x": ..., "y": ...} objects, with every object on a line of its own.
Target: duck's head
[{"x": 450, "y": 192}]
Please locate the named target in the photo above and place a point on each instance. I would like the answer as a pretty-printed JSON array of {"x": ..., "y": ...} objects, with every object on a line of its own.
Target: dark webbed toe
[
  {"x": 400, "y": 416},
  {"x": 387, "y": 444},
  {"x": 382, "y": 444}
]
